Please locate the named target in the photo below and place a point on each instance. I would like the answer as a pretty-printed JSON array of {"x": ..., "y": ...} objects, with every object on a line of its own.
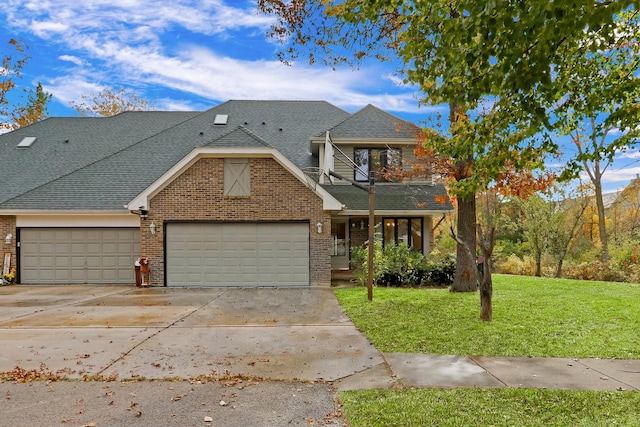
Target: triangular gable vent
[{"x": 26, "y": 142}]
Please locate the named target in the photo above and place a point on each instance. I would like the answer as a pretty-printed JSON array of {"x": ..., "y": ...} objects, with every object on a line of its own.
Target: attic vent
[
  {"x": 26, "y": 142},
  {"x": 221, "y": 119}
]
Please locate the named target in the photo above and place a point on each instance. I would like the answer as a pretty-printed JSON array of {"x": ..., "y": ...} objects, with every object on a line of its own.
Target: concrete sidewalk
[{"x": 443, "y": 371}]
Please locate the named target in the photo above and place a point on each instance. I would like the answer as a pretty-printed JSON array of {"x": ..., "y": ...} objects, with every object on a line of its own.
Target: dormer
[{"x": 369, "y": 140}]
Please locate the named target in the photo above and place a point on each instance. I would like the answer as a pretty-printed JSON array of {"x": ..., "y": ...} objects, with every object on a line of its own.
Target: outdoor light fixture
[
  {"x": 152, "y": 227},
  {"x": 319, "y": 227},
  {"x": 7, "y": 240},
  {"x": 144, "y": 214},
  {"x": 361, "y": 225}
]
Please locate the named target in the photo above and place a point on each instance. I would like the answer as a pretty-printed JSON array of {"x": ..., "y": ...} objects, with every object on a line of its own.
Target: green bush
[
  {"x": 440, "y": 270},
  {"x": 399, "y": 265}
]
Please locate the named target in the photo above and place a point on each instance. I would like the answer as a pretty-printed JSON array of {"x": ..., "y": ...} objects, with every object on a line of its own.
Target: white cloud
[
  {"x": 616, "y": 178},
  {"x": 73, "y": 59},
  {"x": 628, "y": 155},
  {"x": 47, "y": 28},
  {"x": 181, "y": 46}
]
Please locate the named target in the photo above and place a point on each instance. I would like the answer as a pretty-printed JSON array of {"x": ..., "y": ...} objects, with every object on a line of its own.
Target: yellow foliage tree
[{"x": 109, "y": 102}]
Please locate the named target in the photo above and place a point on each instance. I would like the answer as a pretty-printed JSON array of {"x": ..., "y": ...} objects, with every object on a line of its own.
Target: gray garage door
[
  {"x": 238, "y": 254},
  {"x": 78, "y": 255}
]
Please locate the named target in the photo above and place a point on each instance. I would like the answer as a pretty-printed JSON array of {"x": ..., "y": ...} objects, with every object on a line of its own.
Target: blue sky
[{"x": 195, "y": 54}]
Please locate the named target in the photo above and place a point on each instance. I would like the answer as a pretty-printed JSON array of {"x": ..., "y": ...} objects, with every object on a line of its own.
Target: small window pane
[
  {"x": 389, "y": 231},
  {"x": 361, "y": 159},
  {"x": 403, "y": 231},
  {"x": 416, "y": 234}
]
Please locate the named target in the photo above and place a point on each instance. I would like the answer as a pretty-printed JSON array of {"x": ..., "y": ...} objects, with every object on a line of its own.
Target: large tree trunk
[{"x": 465, "y": 278}]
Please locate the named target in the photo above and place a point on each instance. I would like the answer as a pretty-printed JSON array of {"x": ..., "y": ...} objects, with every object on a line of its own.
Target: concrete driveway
[{"x": 163, "y": 333}]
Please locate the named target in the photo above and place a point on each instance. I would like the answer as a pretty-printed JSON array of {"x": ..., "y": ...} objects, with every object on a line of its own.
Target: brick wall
[
  {"x": 276, "y": 195},
  {"x": 8, "y": 225}
]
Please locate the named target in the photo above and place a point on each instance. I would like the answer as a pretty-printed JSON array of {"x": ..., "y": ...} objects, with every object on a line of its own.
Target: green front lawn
[
  {"x": 532, "y": 317},
  {"x": 491, "y": 407}
]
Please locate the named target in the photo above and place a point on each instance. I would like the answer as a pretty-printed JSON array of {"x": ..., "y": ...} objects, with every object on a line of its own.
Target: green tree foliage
[
  {"x": 551, "y": 222},
  {"x": 600, "y": 95}
]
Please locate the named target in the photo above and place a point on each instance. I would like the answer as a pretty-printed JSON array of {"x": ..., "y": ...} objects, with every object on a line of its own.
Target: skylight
[
  {"x": 26, "y": 142},
  {"x": 221, "y": 119}
]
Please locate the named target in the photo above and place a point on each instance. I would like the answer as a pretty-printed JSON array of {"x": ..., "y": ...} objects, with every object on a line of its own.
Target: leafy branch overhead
[{"x": 462, "y": 53}]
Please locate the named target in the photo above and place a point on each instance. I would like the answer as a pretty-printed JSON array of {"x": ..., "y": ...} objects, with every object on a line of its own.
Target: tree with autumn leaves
[
  {"x": 15, "y": 111},
  {"x": 494, "y": 63},
  {"x": 109, "y": 102}
]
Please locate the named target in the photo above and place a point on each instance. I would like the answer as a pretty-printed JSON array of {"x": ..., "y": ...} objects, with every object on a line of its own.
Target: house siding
[
  {"x": 276, "y": 195},
  {"x": 343, "y": 166}
]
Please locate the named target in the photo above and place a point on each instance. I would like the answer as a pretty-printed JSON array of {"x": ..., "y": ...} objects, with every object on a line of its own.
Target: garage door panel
[
  {"x": 238, "y": 254},
  {"x": 60, "y": 262},
  {"x": 77, "y": 248},
  {"x": 78, "y": 255}
]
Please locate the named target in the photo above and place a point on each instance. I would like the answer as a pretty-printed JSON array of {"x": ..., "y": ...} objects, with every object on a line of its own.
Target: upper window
[
  {"x": 237, "y": 177},
  {"x": 380, "y": 160}
]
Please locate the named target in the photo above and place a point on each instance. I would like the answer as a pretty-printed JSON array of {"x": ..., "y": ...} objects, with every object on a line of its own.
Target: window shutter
[{"x": 237, "y": 177}]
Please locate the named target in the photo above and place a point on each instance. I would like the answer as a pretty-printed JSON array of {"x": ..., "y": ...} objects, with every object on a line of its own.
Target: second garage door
[
  {"x": 78, "y": 255},
  {"x": 237, "y": 254}
]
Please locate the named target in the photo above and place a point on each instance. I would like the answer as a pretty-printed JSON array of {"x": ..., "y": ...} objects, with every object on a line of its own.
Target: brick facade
[
  {"x": 276, "y": 195},
  {"x": 8, "y": 226}
]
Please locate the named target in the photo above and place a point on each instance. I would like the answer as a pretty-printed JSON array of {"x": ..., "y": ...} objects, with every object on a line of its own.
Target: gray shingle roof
[
  {"x": 400, "y": 197},
  {"x": 238, "y": 137},
  {"x": 372, "y": 122},
  {"x": 67, "y": 145},
  {"x": 103, "y": 163}
]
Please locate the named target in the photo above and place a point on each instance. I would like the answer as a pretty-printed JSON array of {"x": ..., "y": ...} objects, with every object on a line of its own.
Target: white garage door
[
  {"x": 78, "y": 255},
  {"x": 237, "y": 254}
]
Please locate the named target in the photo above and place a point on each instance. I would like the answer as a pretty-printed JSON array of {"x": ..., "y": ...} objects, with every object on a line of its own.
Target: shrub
[
  {"x": 525, "y": 266},
  {"x": 595, "y": 271},
  {"x": 399, "y": 265},
  {"x": 440, "y": 271}
]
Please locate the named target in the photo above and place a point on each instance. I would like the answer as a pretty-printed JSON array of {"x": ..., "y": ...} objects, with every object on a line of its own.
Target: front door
[{"x": 339, "y": 244}]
